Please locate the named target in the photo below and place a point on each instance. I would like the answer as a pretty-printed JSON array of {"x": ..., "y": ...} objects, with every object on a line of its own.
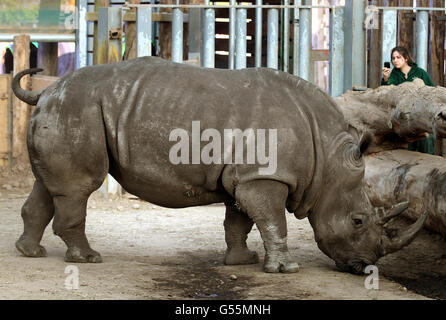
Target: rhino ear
[{"x": 364, "y": 142}]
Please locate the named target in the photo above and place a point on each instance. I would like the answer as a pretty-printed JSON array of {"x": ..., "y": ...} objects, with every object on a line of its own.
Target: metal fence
[
  {"x": 280, "y": 47},
  {"x": 347, "y": 38}
]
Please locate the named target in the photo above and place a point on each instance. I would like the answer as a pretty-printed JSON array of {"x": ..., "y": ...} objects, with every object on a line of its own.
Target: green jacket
[{"x": 397, "y": 77}]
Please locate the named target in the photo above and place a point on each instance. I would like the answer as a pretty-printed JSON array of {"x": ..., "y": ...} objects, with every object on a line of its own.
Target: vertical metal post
[
  {"x": 388, "y": 34},
  {"x": 336, "y": 78},
  {"x": 422, "y": 38},
  {"x": 296, "y": 38},
  {"x": 81, "y": 34},
  {"x": 240, "y": 39},
  {"x": 231, "y": 49},
  {"x": 194, "y": 35},
  {"x": 273, "y": 39},
  {"x": 258, "y": 35},
  {"x": 177, "y": 35},
  {"x": 109, "y": 35},
  {"x": 304, "y": 42},
  {"x": 143, "y": 31},
  {"x": 286, "y": 36},
  {"x": 355, "y": 48},
  {"x": 208, "y": 59},
  {"x": 155, "y": 29},
  {"x": 90, "y": 38},
  {"x": 110, "y": 50}
]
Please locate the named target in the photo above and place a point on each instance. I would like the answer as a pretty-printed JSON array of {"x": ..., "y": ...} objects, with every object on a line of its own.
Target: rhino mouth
[{"x": 355, "y": 266}]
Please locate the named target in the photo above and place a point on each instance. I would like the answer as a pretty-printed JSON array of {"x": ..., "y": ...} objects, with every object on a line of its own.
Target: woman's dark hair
[{"x": 404, "y": 52}]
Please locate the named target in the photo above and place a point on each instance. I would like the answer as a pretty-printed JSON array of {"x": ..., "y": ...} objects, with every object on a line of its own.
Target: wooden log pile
[{"x": 394, "y": 116}]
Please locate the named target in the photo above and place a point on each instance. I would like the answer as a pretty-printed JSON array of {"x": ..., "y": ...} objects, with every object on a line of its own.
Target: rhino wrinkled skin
[{"x": 116, "y": 119}]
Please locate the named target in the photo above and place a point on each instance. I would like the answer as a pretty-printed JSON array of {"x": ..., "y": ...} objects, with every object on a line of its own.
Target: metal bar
[
  {"x": 244, "y": 6},
  {"x": 131, "y": 16},
  {"x": 81, "y": 34},
  {"x": 286, "y": 36},
  {"x": 422, "y": 24},
  {"x": 109, "y": 34},
  {"x": 240, "y": 45},
  {"x": 258, "y": 35},
  {"x": 336, "y": 77},
  {"x": 177, "y": 35},
  {"x": 410, "y": 8},
  {"x": 40, "y": 37},
  {"x": 304, "y": 43},
  {"x": 90, "y": 38},
  {"x": 155, "y": 29},
  {"x": 355, "y": 63},
  {"x": 143, "y": 32},
  {"x": 296, "y": 38},
  {"x": 273, "y": 39},
  {"x": 208, "y": 60},
  {"x": 194, "y": 35},
  {"x": 232, "y": 22},
  {"x": 388, "y": 34}
]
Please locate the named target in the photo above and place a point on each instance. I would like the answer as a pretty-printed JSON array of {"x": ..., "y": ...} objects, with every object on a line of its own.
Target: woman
[{"x": 405, "y": 69}]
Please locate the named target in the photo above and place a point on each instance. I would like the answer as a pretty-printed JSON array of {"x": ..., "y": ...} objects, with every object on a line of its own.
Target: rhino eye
[
  {"x": 353, "y": 156},
  {"x": 358, "y": 222}
]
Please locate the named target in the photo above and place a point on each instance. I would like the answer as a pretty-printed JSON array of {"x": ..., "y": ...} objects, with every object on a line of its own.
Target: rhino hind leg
[
  {"x": 264, "y": 202},
  {"x": 237, "y": 226},
  {"x": 37, "y": 213},
  {"x": 69, "y": 224}
]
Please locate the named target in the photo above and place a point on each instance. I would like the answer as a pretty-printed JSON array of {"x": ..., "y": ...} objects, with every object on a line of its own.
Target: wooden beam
[
  {"x": 406, "y": 25},
  {"x": 5, "y": 80},
  {"x": 374, "y": 63},
  {"x": 438, "y": 35},
  {"x": 40, "y": 82},
  {"x": 130, "y": 35},
  {"x": 21, "y": 110}
]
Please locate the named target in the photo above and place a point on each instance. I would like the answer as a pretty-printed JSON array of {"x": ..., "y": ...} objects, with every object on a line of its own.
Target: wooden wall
[{"x": 5, "y": 80}]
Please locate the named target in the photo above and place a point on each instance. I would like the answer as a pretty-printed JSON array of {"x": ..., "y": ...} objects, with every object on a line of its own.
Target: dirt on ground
[{"x": 150, "y": 252}]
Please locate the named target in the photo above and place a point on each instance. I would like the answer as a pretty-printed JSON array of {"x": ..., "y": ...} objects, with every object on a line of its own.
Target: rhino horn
[
  {"x": 403, "y": 238},
  {"x": 392, "y": 213}
]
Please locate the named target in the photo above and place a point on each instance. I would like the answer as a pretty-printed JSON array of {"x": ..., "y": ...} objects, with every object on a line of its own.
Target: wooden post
[
  {"x": 406, "y": 24},
  {"x": 437, "y": 59},
  {"x": 21, "y": 110},
  {"x": 47, "y": 58},
  {"x": 130, "y": 36},
  {"x": 165, "y": 34},
  {"x": 374, "y": 68},
  {"x": 438, "y": 35},
  {"x": 97, "y": 4},
  {"x": 5, "y": 80}
]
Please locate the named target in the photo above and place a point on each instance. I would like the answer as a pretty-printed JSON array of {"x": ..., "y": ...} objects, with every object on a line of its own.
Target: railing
[{"x": 110, "y": 33}]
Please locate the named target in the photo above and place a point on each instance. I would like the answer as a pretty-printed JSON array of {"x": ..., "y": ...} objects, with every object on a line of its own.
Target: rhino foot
[
  {"x": 282, "y": 263},
  {"x": 30, "y": 249},
  {"x": 241, "y": 256},
  {"x": 75, "y": 254}
]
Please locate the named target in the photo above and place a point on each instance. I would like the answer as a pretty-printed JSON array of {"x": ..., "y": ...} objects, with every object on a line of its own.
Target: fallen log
[
  {"x": 399, "y": 175},
  {"x": 396, "y": 115}
]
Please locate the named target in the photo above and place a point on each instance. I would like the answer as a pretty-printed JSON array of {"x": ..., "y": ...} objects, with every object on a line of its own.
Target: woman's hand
[{"x": 386, "y": 73}]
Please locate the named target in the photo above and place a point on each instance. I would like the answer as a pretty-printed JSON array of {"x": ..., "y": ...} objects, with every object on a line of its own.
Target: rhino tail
[{"x": 30, "y": 97}]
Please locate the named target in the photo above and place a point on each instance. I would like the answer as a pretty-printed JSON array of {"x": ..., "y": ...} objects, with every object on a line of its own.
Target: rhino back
[{"x": 143, "y": 100}]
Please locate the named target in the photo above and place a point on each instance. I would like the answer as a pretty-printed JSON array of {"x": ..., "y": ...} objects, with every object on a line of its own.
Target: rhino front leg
[
  {"x": 237, "y": 226},
  {"x": 264, "y": 202},
  {"x": 37, "y": 212},
  {"x": 69, "y": 224}
]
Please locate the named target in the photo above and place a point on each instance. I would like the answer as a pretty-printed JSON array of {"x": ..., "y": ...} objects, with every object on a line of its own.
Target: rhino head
[{"x": 347, "y": 227}]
